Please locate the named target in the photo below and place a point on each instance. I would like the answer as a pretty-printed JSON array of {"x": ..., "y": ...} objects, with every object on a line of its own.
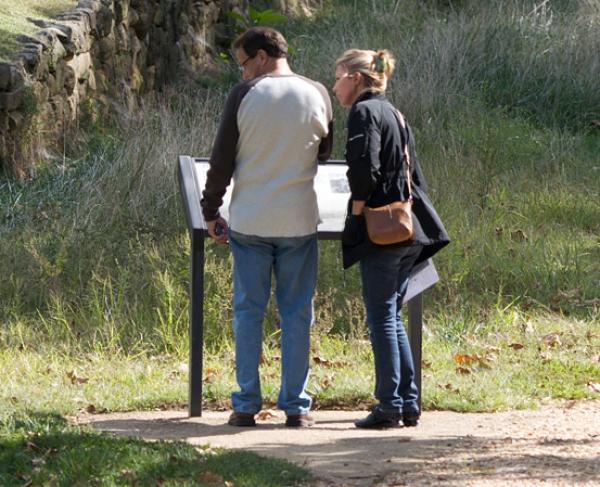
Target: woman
[{"x": 377, "y": 137}]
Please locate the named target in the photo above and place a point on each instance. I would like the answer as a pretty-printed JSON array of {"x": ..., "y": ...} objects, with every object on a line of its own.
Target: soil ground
[{"x": 557, "y": 444}]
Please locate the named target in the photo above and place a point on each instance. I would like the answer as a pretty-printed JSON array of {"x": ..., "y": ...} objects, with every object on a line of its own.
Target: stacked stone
[{"x": 108, "y": 51}]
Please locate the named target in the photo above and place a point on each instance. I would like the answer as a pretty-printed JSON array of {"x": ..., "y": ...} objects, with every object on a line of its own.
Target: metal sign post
[{"x": 332, "y": 195}]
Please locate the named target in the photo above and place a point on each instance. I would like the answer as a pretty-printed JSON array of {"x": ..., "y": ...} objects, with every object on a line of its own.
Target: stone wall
[{"x": 108, "y": 51}]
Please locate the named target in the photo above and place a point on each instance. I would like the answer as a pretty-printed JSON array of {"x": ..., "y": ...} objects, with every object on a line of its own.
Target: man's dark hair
[{"x": 269, "y": 40}]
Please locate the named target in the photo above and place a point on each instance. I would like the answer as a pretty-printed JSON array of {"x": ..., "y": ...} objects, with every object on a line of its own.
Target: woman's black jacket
[{"x": 377, "y": 175}]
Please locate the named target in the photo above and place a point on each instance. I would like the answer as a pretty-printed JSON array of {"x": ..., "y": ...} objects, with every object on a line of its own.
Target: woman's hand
[{"x": 357, "y": 207}]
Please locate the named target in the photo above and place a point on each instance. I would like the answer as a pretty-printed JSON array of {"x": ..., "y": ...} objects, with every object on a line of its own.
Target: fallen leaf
[
  {"x": 266, "y": 414},
  {"x": 425, "y": 364},
  {"x": 210, "y": 478},
  {"x": 463, "y": 370},
  {"x": 467, "y": 359},
  {"x": 516, "y": 346},
  {"x": 519, "y": 235},
  {"x": 527, "y": 327},
  {"x": 449, "y": 387},
  {"x": 552, "y": 339},
  {"x": 32, "y": 446},
  {"x": 461, "y": 359},
  {"x": 211, "y": 375},
  {"x": 321, "y": 361},
  {"x": 75, "y": 379}
]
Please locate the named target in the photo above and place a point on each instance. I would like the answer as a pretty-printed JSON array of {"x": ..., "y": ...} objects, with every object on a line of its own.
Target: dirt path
[{"x": 555, "y": 445}]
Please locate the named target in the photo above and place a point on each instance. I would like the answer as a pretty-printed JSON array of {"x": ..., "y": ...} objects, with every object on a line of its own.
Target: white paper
[
  {"x": 331, "y": 186},
  {"x": 422, "y": 277}
]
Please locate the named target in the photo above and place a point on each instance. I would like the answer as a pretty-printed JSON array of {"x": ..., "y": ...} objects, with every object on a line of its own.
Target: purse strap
[{"x": 405, "y": 151}]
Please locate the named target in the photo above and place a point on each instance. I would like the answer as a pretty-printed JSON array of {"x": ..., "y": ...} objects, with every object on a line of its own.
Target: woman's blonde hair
[{"x": 375, "y": 66}]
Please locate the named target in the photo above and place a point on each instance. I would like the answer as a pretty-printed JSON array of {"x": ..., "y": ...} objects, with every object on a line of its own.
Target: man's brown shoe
[
  {"x": 302, "y": 420},
  {"x": 241, "y": 419}
]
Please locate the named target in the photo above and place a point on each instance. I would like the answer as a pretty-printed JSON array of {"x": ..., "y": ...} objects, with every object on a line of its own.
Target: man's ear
[{"x": 262, "y": 55}]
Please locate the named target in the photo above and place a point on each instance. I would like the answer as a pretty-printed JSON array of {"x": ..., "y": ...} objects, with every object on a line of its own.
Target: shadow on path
[{"x": 559, "y": 446}]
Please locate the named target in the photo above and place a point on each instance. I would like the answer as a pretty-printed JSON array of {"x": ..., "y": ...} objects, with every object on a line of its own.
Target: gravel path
[{"x": 555, "y": 445}]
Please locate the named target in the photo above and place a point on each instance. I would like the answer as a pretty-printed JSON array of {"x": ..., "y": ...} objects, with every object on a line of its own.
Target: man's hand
[{"x": 218, "y": 229}]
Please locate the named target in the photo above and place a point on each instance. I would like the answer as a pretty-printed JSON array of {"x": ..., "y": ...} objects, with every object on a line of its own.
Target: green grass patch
[
  {"x": 43, "y": 449},
  {"x": 525, "y": 362},
  {"x": 14, "y": 20},
  {"x": 95, "y": 252}
]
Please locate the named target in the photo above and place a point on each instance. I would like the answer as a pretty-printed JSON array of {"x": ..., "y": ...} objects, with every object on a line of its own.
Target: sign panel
[
  {"x": 332, "y": 195},
  {"x": 333, "y": 192},
  {"x": 331, "y": 186}
]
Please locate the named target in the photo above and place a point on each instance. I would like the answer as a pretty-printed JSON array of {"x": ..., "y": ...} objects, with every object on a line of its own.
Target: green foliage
[{"x": 254, "y": 18}]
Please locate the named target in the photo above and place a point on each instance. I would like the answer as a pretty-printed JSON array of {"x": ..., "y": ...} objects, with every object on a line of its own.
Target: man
[{"x": 275, "y": 126}]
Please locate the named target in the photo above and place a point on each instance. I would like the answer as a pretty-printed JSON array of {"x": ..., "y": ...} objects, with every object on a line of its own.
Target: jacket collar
[{"x": 370, "y": 95}]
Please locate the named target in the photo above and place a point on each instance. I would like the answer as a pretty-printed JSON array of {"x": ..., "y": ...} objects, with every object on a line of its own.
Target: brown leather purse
[{"x": 392, "y": 223}]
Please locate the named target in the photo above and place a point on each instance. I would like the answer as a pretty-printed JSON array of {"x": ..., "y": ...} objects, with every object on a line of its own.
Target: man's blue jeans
[
  {"x": 385, "y": 276},
  {"x": 293, "y": 262}
]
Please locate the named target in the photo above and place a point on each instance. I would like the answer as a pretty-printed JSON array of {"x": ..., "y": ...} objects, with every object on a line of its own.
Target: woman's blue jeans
[
  {"x": 385, "y": 275},
  {"x": 293, "y": 262}
]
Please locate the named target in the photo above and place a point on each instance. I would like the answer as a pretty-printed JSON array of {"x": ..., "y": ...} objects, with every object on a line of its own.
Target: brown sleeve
[
  {"x": 222, "y": 159},
  {"x": 326, "y": 144}
]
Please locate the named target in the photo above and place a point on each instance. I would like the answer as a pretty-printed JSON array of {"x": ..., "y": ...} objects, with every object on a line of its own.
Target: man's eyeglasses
[{"x": 242, "y": 65}]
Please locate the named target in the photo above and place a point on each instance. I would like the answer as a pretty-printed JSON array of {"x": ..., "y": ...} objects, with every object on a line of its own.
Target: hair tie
[{"x": 379, "y": 63}]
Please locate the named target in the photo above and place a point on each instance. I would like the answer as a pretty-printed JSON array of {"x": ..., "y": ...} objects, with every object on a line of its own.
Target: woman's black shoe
[
  {"x": 378, "y": 420},
  {"x": 410, "y": 418}
]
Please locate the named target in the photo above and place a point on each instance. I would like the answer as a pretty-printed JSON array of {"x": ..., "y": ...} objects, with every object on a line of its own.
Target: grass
[
  {"x": 527, "y": 361},
  {"x": 95, "y": 254},
  {"x": 43, "y": 449},
  {"x": 14, "y": 20}
]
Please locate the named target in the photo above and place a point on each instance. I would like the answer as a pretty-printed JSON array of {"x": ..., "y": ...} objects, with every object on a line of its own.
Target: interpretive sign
[{"x": 331, "y": 187}]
